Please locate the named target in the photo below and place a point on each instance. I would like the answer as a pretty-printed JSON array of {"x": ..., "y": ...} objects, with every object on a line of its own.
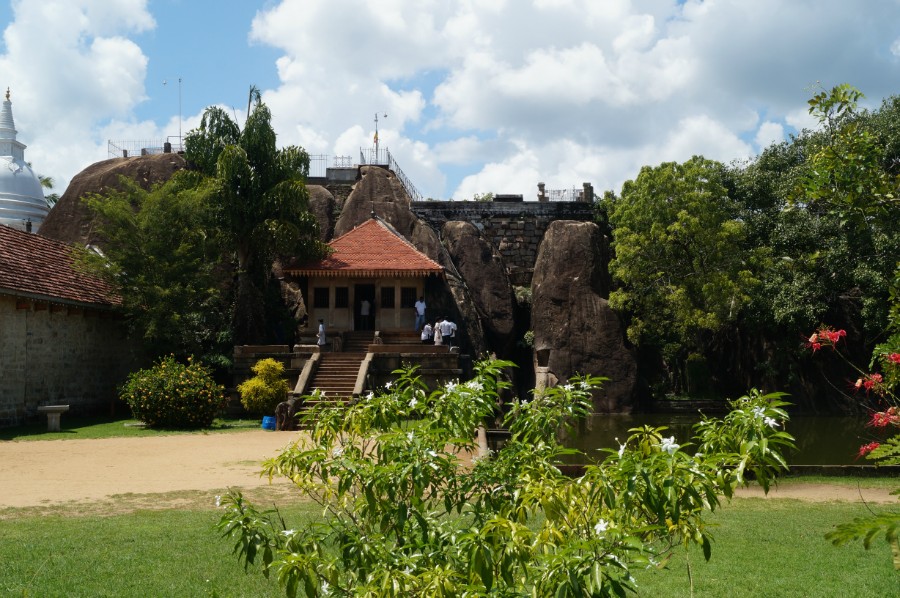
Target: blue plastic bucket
[{"x": 268, "y": 423}]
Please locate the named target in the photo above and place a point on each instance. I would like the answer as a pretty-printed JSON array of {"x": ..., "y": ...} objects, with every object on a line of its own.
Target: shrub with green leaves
[
  {"x": 262, "y": 393},
  {"x": 172, "y": 394},
  {"x": 407, "y": 511}
]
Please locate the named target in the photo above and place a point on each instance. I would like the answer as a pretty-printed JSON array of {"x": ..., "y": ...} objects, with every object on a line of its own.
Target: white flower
[
  {"x": 388, "y": 385},
  {"x": 584, "y": 385},
  {"x": 621, "y": 448},
  {"x": 288, "y": 533},
  {"x": 337, "y": 452},
  {"x": 409, "y": 436},
  {"x": 451, "y": 386},
  {"x": 601, "y": 527},
  {"x": 568, "y": 387},
  {"x": 370, "y": 396},
  {"x": 770, "y": 422},
  {"x": 668, "y": 445},
  {"x": 413, "y": 403},
  {"x": 218, "y": 501},
  {"x": 326, "y": 588},
  {"x": 759, "y": 412},
  {"x": 431, "y": 454},
  {"x": 475, "y": 385}
]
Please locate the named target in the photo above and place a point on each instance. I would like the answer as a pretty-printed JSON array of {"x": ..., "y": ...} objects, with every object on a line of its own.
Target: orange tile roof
[
  {"x": 372, "y": 249},
  {"x": 40, "y": 268}
]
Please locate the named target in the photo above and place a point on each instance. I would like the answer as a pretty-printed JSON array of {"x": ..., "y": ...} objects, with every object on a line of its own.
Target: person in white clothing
[
  {"x": 420, "y": 313},
  {"x": 320, "y": 335},
  {"x": 427, "y": 334},
  {"x": 438, "y": 337},
  {"x": 448, "y": 331}
]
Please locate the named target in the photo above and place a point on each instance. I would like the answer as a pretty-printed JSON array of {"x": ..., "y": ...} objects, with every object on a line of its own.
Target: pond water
[{"x": 821, "y": 440}]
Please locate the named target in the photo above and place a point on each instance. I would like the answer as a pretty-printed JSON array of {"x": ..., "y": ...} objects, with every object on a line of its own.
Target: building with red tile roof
[
  {"x": 372, "y": 263},
  {"x": 61, "y": 341},
  {"x": 37, "y": 268}
]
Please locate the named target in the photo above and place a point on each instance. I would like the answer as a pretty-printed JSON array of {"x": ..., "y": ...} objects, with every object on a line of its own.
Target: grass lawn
[
  {"x": 762, "y": 548},
  {"x": 105, "y": 427}
]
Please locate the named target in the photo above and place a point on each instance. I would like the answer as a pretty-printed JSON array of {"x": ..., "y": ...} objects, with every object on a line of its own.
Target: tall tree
[
  {"x": 679, "y": 262},
  {"x": 159, "y": 257},
  {"x": 259, "y": 203}
]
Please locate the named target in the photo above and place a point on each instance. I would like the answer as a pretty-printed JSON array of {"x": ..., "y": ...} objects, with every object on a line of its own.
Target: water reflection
[{"x": 821, "y": 440}]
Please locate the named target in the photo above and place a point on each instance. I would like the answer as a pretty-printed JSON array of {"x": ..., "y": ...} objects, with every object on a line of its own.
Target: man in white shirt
[
  {"x": 420, "y": 313},
  {"x": 448, "y": 332}
]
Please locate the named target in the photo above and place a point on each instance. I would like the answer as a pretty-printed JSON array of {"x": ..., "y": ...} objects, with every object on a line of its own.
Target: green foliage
[
  {"x": 171, "y": 394},
  {"x": 262, "y": 393},
  {"x": 258, "y": 200},
  {"x": 680, "y": 261},
  {"x": 848, "y": 180},
  {"x": 403, "y": 514},
  {"x": 162, "y": 260}
]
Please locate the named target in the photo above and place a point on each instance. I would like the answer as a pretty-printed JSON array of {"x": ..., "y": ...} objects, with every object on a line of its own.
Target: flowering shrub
[
  {"x": 262, "y": 393},
  {"x": 879, "y": 392},
  {"x": 173, "y": 395},
  {"x": 407, "y": 510}
]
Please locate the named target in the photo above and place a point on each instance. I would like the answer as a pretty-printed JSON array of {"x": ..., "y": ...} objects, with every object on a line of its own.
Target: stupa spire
[{"x": 7, "y": 125}]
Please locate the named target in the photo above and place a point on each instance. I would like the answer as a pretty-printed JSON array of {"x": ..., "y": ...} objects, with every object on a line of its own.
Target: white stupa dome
[{"x": 21, "y": 196}]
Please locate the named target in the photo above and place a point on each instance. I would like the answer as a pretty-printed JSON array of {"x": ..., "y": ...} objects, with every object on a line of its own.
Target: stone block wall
[
  {"x": 56, "y": 354},
  {"x": 514, "y": 228}
]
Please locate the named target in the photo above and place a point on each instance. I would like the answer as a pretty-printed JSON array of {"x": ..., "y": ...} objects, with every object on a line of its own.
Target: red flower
[
  {"x": 871, "y": 381},
  {"x": 867, "y": 448},
  {"x": 813, "y": 342},
  {"x": 833, "y": 336},
  {"x": 894, "y": 358},
  {"x": 825, "y": 336},
  {"x": 883, "y": 419}
]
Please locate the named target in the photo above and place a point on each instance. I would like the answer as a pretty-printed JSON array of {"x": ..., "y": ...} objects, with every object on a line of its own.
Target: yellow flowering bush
[
  {"x": 174, "y": 395},
  {"x": 262, "y": 393}
]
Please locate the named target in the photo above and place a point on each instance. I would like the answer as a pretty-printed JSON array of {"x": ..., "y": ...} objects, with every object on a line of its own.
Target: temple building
[
  {"x": 372, "y": 264},
  {"x": 22, "y": 203}
]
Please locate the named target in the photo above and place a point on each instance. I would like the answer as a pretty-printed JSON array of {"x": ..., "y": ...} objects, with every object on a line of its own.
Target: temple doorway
[{"x": 362, "y": 320}]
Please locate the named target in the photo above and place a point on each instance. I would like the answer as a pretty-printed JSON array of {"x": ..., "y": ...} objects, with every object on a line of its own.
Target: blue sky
[{"x": 481, "y": 95}]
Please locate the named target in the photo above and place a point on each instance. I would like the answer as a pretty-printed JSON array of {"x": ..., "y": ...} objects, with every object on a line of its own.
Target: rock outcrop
[
  {"x": 321, "y": 205},
  {"x": 484, "y": 273},
  {"x": 575, "y": 330},
  {"x": 71, "y": 221}
]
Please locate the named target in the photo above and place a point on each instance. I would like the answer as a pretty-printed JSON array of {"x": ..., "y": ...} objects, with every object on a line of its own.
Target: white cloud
[
  {"x": 768, "y": 134},
  {"x": 560, "y": 91},
  {"x": 70, "y": 70}
]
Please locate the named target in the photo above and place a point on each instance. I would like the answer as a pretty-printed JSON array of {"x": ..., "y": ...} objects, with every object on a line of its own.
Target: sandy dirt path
[
  {"x": 118, "y": 474},
  {"x": 53, "y": 472}
]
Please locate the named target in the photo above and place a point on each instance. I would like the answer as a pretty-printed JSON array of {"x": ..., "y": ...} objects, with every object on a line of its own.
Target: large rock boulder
[
  {"x": 321, "y": 205},
  {"x": 575, "y": 331},
  {"x": 71, "y": 221},
  {"x": 484, "y": 272}
]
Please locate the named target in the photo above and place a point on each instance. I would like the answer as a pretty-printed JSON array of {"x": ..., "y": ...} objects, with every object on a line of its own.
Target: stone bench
[{"x": 53, "y": 412}]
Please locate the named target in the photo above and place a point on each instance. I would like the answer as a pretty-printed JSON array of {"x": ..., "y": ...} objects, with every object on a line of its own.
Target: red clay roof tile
[
  {"x": 41, "y": 268},
  {"x": 370, "y": 249}
]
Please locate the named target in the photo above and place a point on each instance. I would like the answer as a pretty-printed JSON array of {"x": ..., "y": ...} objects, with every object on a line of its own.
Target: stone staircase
[
  {"x": 337, "y": 372},
  {"x": 336, "y": 375},
  {"x": 358, "y": 341}
]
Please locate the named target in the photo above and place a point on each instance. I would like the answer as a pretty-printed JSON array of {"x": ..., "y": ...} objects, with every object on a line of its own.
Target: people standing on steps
[
  {"x": 427, "y": 334},
  {"x": 448, "y": 332},
  {"x": 420, "y": 313},
  {"x": 320, "y": 335},
  {"x": 438, "y": 337}
]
